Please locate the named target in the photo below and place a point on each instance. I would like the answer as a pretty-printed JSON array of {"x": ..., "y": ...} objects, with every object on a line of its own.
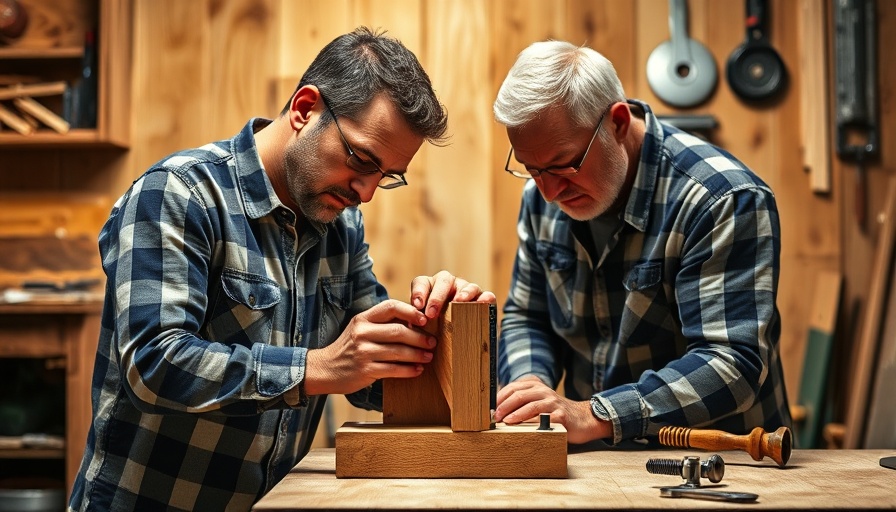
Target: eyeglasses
[
  {"x": 366, "y": 167},
  {"x": 559, "y": 170}
]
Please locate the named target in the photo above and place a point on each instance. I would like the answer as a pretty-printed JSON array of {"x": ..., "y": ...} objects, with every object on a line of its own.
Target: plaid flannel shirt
[
  {"x": 670, "y": 319},
  {"x": 212, "y": 300}
]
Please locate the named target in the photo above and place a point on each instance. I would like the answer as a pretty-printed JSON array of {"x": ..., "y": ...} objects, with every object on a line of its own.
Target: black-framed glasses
[
  {"x": 366, "y": 167},
  {"x": 559, "y": 170}
]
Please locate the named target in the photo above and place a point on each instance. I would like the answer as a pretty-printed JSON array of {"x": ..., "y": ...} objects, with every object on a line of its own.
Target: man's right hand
[
  {"x": 376, "y": 344},
  {"x": 526, "y": 398}
]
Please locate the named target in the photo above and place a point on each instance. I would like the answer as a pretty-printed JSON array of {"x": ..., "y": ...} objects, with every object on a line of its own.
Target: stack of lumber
[{"x": 25, "y": 115}]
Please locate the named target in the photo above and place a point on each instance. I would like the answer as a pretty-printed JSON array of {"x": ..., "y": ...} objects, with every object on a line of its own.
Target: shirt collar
[
  {"x": 258, "y": 196},
  {"x": 257, "y": 192},
  {"x": 637, "y": 209}
]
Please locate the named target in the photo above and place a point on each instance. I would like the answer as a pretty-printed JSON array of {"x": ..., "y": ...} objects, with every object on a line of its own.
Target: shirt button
[{"x": 251, "y": 300}]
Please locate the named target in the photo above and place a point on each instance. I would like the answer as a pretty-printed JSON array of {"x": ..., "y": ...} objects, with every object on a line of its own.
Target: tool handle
[
  {"x": 757, "y": 443},
  {"x": 757, "y": 21}
]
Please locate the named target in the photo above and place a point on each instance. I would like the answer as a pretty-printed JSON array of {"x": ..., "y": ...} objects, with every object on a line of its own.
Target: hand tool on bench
[
  {"x": 758, "y": 443},
  {"x": 691, "y": 470}
]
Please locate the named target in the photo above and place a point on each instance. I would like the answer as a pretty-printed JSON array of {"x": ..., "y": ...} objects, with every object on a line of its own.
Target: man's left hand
[{"x": 429, "y": 294}]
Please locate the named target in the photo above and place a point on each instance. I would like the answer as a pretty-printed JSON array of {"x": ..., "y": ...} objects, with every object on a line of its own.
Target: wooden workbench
[{"x": 602, "y": 480}]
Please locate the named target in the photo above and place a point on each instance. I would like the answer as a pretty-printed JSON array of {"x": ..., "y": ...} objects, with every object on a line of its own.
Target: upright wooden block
[{"x": 457, "y": 387}]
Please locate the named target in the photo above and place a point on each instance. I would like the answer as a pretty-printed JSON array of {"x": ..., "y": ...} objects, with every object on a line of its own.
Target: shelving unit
[
  {"x": 61, "y": 60},
  {"x": 64, "y": 329}
]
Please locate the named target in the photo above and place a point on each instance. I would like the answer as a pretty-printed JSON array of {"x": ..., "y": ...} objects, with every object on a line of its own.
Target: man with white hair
[{"x": 647, "y": 268}]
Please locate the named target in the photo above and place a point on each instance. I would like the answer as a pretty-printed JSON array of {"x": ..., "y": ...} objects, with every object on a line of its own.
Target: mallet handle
[{"x": 757, "y": 443}]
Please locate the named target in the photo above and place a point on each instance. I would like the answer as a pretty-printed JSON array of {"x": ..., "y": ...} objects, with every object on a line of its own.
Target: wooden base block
[{"x": 374, "y": 450}]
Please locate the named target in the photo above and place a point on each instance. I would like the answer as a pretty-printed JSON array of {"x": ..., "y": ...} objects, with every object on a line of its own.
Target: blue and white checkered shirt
[
  {"x": 212, "y": 301},
  {"x": 664, "y": 314}
]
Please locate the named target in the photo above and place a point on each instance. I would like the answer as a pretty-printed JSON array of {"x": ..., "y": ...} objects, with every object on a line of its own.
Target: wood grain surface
[
  {"x": 374, "y": 450},
  {"x": 463, "y": 369},
  {"x": 602, "y": 480}
]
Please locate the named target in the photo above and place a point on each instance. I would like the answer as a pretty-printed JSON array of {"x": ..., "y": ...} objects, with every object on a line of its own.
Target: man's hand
[
  {"x": 526, "y": 398},
  {"x": 429, "y": 294},
  {"x": 378, "y": 343}
]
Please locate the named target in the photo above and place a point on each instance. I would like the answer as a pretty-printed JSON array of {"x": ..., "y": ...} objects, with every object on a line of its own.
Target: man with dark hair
[{"x": 240, "y": 291}]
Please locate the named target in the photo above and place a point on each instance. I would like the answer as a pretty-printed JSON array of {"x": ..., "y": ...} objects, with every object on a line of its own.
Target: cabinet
[
  {"x": 51, "y": 297},
  {"x": 51, "y": 49},
  {"x": 66, "y": 331}
]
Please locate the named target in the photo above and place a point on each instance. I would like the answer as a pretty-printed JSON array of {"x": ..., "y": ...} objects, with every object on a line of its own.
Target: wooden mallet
[{"x": 758, "y": 443}]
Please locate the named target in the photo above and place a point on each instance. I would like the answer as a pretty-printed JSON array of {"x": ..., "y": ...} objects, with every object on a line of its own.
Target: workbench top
[{"x": 603, "y": 480}]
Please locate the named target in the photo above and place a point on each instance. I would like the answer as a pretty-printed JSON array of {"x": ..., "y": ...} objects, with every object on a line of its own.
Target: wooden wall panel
[
  {"x": 393, "y": 218},
  {"x": 515, "y": 24},
  {"x": 607, "y": 26},
  {"x": 241, "y": 61},
  {"x": 201, "y": 68},
  {"x": 458, "y": 176},
  {"x": 171, "y": 89}
]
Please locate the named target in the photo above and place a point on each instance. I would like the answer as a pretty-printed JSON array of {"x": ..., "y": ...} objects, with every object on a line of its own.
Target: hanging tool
[
  {"x": 691, "y": 470},
  {"x": 758, "y": 443},
  {"x": 681, "y": 71},
  {"x": 855, "y": 51},
  {"x": 755, "y": 70}
]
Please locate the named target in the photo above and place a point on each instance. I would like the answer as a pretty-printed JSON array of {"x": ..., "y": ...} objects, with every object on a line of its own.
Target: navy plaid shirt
[
  {"x": 665, "y": 313},
  {"x": 212, "y": 301}
]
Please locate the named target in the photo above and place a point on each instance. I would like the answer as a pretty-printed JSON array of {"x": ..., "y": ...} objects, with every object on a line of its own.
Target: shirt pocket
[
  {"x": 646, "y": 316},
  {"x": 244, "y": 312},
  {"x": 336, "y": 294},
  {"x": 559, "y": 263}
]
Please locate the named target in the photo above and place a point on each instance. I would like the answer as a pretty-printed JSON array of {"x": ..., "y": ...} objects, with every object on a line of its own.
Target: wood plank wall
[{"x": 203, "y": 67}]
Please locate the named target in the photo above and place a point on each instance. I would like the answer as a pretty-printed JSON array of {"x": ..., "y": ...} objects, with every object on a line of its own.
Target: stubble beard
[
  {"x": 304, "y": 169},
  {"x": 612, "y": 180}
]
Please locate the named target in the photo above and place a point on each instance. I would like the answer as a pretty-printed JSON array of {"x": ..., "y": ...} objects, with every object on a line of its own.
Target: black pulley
[{"x": 755, "y": 71}]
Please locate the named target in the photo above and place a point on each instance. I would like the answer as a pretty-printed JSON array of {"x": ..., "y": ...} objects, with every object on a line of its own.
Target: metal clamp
[{"x": 691, "y": 470}]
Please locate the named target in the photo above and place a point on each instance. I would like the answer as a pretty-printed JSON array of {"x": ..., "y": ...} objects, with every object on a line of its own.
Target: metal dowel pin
[{"x": 544, "y": 421}]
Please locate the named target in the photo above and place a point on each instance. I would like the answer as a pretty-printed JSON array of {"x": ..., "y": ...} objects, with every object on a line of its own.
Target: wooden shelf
[
  {"x": 33, "y": 453},
  {"x": 60, "y": 306},
  {"x": 74, "y": 52},
  {"x": 79, "y": 138}
]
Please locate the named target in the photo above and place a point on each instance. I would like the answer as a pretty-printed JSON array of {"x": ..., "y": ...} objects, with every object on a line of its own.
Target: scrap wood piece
[
  {"x": 11, "y": 119},
  {"x": 814, "y": 114},
  {"x": 42, "y": 113},
  {"x": 28, "y": 118},
  {"x": 816, "y": 359},
  {"x": 10, "y": 79},
  {"x": 881, "y": 417},
  {"x": 866, "y": 351},
  {"x": 44, "y": 89}
]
